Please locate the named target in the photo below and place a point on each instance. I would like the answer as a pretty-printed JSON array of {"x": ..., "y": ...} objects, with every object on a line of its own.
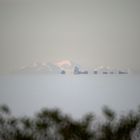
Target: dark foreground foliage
[{"x": 52, "y": 124}]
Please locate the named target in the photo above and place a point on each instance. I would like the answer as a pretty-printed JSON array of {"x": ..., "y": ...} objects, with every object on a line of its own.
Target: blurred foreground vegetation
[{"x": 52, "y": 124}]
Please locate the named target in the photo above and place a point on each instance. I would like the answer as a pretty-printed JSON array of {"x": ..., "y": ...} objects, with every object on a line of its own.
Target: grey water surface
[{"x": 73, "y": 94}]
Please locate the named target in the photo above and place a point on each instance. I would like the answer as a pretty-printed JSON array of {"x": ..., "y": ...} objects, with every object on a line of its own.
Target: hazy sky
[{"x": 89, "y": 32}]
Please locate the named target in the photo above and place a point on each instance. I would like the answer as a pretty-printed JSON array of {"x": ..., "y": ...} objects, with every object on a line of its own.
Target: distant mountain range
[
  {"x": 67, "y": 67},
  {"x": 38, "y": 67}
]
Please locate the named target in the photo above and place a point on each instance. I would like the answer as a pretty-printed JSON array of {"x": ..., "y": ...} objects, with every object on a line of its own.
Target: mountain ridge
[{"x": 68, "y": 67}]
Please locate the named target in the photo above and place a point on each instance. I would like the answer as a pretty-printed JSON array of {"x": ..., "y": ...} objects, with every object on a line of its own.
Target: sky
[{"x": 88, "y": 32}]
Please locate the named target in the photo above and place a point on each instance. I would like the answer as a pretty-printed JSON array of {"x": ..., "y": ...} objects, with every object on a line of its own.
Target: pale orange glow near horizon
[{"x": 63, "y": 62}]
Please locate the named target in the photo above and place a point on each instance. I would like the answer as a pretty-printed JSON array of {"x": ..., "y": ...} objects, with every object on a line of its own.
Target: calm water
[{"x": 75, "y": 95}]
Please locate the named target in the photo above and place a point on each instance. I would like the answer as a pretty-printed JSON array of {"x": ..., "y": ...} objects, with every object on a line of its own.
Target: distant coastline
[{"x": 68, "y": 67}]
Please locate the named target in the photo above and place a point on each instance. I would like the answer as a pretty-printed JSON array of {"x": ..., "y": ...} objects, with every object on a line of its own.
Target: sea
[{"x": 75, "y": 95}]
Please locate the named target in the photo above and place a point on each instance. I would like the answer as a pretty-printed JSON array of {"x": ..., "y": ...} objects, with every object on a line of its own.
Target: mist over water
[{"x": 73, "y": 94}]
